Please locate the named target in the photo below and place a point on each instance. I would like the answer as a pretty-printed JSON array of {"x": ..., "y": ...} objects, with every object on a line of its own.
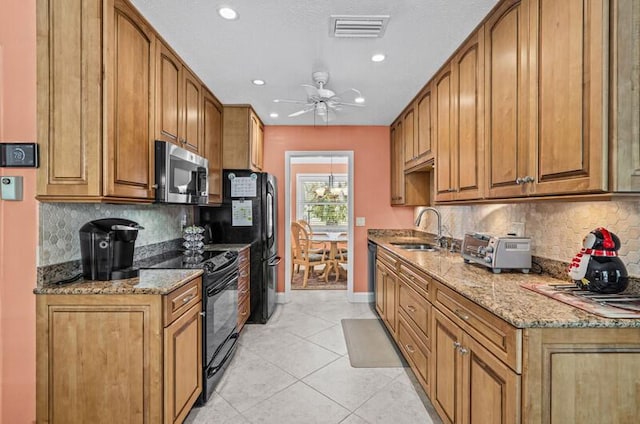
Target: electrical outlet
[
  {"x": 517, "y": 228},
  {"x": 360, "y": 221}
]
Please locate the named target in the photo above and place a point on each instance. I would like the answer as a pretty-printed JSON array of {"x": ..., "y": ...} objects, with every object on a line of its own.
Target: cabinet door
[
  {"x": 390, "y": 296},
  {"x": 256, "y": 131},
  {"x": 398, "y": 163},
  {"x": 128, "y": 160},
  {"x": 468, "y": 74},
  {"x": 490, "y": 389},
  {"x": 445, "y": 139},
  {"x": 381, "y": 272},
  {"x": 182, "y": 364},
  {"x": 69, "y": 98},
  {"x": 212, "y": 143},
  {"x": 168, "y": 94},
  {"x": 506, "y": 112},
  {"x": 190, "y": 134},
  {"x": 409, "y": 136},
  {"x": 423, "y": 120},
  {"x": 447, "y": 368},
  {"x": 569, "y": 55}
]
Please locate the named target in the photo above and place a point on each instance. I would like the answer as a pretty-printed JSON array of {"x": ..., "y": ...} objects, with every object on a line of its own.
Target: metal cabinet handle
[
  {"x": 519, "y": 180},
  {"x": 410, "y": 348},
  {"x": 188, "y": 298},
  {"x": 463, "y": 351},
  {"x": 528, "y": 179},
  {"x": 457, "y": 345},
  {"x": 461, "y": 314},
  {"x": 411, "y": 308}
]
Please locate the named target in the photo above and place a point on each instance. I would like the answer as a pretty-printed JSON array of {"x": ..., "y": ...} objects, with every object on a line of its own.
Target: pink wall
[
  {"x": 18, "y": 220},
  {"x": 370, "y": 145}
]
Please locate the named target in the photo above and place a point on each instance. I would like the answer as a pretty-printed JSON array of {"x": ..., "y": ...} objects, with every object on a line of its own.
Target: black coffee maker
[{"x": 106, "y": 246}]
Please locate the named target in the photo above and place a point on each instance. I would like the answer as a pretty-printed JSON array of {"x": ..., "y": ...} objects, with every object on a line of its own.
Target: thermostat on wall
[{"x": 19, "y": 155}]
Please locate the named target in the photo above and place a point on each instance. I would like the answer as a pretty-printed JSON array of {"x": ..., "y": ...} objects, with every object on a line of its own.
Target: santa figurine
[{"x": 597, "y": 266}]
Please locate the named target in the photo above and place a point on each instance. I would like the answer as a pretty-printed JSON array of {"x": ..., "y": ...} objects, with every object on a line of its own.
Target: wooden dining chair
[
  {"x": 305, "y": 252},
  {"x": 342, "y": 256}
]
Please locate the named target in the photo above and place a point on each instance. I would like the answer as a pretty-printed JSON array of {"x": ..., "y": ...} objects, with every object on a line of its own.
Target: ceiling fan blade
[
  {"x": 300, "y": 112},
  {"x": 349, "y": 104},
  {"x": 340, "y": 95},
  {"x": 298, "y": 102}
]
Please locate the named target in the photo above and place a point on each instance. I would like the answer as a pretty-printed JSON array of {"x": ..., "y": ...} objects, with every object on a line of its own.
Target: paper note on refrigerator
[
  {"x": 241, "y": 213},
  {"x": 244, "y": 186}
]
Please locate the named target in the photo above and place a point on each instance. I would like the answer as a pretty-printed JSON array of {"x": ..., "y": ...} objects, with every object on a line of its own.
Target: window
[{"x": 322, "y": 201}]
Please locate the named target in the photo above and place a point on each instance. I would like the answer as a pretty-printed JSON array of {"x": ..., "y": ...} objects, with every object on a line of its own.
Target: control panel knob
[
  {"x": 488, "y": 259},
  {"x": 489, "y": 249}
]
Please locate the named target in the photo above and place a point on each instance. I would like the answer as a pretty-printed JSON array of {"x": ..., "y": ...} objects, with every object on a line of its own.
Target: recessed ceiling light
[
  {"x": 258, "y": 82},
  {"x": 228, "y": 13},
  {"x": 379, "y": 57},
  {"x": 359, "y": 99},
  {"x": 273, "y": 115}
]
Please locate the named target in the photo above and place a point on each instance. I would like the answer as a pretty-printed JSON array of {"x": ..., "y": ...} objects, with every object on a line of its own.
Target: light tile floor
[{"x": 296, "y": 370}]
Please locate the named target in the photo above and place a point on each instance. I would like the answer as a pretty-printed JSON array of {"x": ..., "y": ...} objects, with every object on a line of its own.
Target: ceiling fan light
[
  {"x": 273, "y": 115},
  {"x": 378, "y": 57},
  {"x": 258, "y": 82},
  {"x": 227, "y": 13},
  {"x": 359, "y": 99}
]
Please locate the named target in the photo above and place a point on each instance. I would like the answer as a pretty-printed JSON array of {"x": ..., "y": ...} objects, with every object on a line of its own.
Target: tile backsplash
[
  {"x": 60, "y": 222},
  {"x": 556, "y": 228}
]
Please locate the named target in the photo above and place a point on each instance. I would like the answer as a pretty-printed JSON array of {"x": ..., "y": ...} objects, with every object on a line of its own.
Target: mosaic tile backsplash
[
  {"x": 60, "y": 222},
  {"x": 556, "y": 228}
]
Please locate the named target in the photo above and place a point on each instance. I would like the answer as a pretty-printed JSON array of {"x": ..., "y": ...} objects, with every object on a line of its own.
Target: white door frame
[{"x": 288, "y": 155}]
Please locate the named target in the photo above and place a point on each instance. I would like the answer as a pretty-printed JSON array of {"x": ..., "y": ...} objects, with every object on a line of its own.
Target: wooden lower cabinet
[
  {"x": 117, "y": 358},
  {"x": 477, "y": 369},
  {"x": 244, "y": 288}
]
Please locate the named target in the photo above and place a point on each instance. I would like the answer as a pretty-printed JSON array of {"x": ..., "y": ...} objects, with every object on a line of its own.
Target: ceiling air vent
[{"x": 358, "y": 26}]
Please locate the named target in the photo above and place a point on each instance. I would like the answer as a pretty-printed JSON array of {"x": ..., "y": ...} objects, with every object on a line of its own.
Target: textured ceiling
[{"x": 284, "y": 41}]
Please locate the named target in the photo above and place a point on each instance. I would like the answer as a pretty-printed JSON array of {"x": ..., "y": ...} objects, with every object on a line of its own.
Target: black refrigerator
[{"x": 248, "y": 214}]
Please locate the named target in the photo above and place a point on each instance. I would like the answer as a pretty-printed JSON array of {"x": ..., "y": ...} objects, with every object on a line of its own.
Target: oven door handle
[
  {"x": 212, "y": 370},
  {"x": 212, "y": 291}
]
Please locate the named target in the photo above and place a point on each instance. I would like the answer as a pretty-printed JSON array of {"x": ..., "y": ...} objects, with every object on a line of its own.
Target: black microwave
[{"x": 181, "y": 175}]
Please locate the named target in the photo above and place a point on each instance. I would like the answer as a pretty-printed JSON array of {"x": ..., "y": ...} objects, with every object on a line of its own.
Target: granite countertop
[
  {"x": 499, "y": 293},
  {"x": 150, "y": 281}
]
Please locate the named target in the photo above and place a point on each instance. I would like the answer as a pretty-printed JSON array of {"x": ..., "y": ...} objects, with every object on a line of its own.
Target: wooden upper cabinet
[
  {"x": 423, "y": 125},
  {"x": 212, "y": 143},
  {"x": 443, "y": 119},
  {"x": 128, "y": 159},
  {"x": 468, "y": 77},
  {"x": 168, "y": 94},
  {"x": 242, "y": 138},
  {"x": 69, "y": 104},
  {"x": 190, "y": 133},
  {"x": 408, "y": 124},
  {"x": 397, "y": 164},
  {"x": 506, "y": 111},
  {"x": 568, "y": 66}
]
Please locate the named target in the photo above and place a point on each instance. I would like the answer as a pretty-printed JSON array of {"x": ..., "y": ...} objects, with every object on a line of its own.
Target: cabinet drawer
[
  {"x": 243, "y": 257},
  {"x": 415, "y": 352},
  {"x": 495, "y": 334},
  {"x": 416, "y": 309},
  {"x": 244, "y": 310},
  {"x": 387, "y": 258},
  {"x": 181, "y": 300},
  {"x": 418, "y": 280}
]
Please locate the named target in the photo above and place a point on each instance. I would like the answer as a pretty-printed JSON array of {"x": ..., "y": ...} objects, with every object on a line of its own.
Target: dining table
[{"x": 333, "y": 238}]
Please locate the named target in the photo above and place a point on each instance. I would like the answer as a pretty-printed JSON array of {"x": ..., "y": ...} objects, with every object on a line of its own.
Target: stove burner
[{"x": 210, "y": 261}]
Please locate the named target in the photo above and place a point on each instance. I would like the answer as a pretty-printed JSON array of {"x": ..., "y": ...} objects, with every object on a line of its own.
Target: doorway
[{"x": 319, "y": 190}]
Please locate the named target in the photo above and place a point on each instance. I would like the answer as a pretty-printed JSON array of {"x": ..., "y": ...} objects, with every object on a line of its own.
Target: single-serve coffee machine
[{"x": 106, "y": 246}]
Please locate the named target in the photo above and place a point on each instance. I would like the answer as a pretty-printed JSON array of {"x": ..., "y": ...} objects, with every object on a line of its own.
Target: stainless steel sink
[{"x": 416, "y": 247}]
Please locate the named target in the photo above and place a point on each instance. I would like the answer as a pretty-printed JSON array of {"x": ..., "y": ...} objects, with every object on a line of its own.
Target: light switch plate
[
  {"x": 11, "y": 188},
  {"x": 360, "y": 221}
]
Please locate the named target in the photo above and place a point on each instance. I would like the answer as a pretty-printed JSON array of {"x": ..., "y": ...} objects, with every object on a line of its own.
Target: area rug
[
  {"x": 369, "y": 346},
  {"x": 316, "y": 281}
]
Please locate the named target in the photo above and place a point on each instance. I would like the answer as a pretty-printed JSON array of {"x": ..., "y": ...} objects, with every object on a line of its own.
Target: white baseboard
[
  {"x": 282, "y": 297},
  {"x": 361, "y": 297}
]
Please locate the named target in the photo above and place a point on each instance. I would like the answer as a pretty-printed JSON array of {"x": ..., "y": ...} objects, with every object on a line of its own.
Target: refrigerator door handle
[{"x": 275, "y": 261}]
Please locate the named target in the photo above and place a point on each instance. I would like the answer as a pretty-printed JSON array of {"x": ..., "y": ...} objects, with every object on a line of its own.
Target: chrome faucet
[{"x": 440, "y": 238}]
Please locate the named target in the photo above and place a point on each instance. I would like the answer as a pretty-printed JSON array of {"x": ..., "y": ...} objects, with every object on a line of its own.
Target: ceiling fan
[{"x": 322, "y": 101}]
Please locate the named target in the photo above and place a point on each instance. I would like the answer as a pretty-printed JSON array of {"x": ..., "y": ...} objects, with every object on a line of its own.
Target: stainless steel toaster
[{"x": 497, "y": 253}]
